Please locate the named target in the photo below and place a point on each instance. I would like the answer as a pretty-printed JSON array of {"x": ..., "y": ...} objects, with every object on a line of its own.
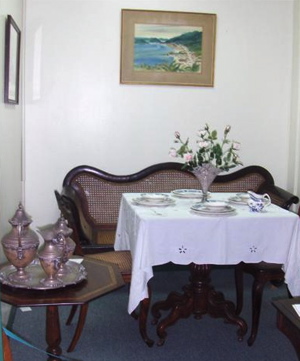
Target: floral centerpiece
[{"x": 211, "y": 157}]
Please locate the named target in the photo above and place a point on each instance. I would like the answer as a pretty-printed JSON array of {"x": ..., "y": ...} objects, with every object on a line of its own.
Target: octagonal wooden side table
[{"x": 102, "y": 277}]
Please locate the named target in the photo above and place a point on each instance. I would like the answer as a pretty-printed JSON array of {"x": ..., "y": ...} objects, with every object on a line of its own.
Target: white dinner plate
[
  {"x": 151, "y": 203},
  {"x": 215, "y": 205},
  {"x": 211, "y": 211},
  {"x": 238, "y": 200},
  {"x": 155, "y": 197},
  {"x": 187, "y": 193}
]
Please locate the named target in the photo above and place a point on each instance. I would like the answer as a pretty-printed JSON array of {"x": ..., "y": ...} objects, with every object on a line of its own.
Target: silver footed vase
[{"x": 206, "y": 174}]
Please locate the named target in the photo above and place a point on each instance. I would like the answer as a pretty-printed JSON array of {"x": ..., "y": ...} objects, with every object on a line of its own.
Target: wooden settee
[{"x": 90, "y": 197}]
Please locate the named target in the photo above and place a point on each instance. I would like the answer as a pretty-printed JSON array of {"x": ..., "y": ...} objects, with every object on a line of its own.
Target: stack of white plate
[
  {"x": 213, "y": 208},
  {"x": 154, "y": 200},
  {"x": 187, "y": 193}
]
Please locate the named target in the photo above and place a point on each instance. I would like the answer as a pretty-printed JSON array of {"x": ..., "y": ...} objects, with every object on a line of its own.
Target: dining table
[{"x": 177, "y": 227}]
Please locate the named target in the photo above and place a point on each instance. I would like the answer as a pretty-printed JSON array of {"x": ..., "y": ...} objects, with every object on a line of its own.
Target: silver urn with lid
[
  {"x": 20, "y": 245},
  {"x": 65, "y": 243}
]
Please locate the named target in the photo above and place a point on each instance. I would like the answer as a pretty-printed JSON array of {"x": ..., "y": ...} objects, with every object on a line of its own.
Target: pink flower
[
  {"x": 188, "y": 157},
  {"x": 177, "y": 135},
  {"x": 220, "y": 153}
]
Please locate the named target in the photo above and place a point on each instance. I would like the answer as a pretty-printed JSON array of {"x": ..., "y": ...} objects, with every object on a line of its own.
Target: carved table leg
[
  {"x": 80, "y": 324},
  {"x": 198, "y": 298},
  {"x": 172, "y": 299},
  {"x": 71, "y": 315},
  {"x": 144, "y": 309},
  {"x": 53, "y": 336},
  {"x": 142, "y": 318}
]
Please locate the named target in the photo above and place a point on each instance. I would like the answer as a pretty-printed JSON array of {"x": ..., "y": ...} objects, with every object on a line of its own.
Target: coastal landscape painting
[{"x": 167, "y": 48}]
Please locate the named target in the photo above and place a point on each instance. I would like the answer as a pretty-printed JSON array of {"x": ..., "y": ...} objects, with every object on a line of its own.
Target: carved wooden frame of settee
[{"x": 90, "y": 197}]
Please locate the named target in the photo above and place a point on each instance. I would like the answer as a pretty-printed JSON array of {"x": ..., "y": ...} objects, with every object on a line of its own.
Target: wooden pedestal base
[{"x": 199, "y": 298}]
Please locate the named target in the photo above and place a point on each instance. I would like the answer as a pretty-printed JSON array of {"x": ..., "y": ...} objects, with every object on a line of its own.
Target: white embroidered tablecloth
[{"x": 158, "y": 235}]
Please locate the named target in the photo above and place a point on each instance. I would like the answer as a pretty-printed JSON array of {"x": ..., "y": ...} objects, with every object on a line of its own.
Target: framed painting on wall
[
  {"x": 167, "y": 48},
  {"x": 12, "y": 61}
]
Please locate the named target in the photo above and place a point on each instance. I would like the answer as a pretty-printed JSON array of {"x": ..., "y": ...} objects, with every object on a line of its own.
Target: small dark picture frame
[{"x": 12, "y": 61}]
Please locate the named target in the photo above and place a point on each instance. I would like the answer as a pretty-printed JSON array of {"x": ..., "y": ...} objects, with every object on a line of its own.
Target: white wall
[
  {"x": 10, "y": 131},
  {"x": 294, "y": 154},
  {"x": 77, "y": 112},
  {"x": 10, "y": 139}
]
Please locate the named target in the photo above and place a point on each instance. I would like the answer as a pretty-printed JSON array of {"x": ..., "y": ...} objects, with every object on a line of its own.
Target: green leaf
[{"x": 214, "y": 134}]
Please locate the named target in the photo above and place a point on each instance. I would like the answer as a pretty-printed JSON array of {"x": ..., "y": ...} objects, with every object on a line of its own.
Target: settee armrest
[
  {"x": 96, "y": 248},
  {"x": 67, "y": 204},
  {"x": 83, "y": 233},
  {"x": 279, "y": 196}
]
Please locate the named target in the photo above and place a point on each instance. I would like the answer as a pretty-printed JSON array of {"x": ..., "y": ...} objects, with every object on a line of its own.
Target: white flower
[
  {"x": 219, "y": 153},
  {"x": 173, "y": 153},
  {"x": 227, "y": 129},
  {"x": 203, "y": 144},
  {"x": 202, "y": 133},
  {"x": 236, "y": 145}
]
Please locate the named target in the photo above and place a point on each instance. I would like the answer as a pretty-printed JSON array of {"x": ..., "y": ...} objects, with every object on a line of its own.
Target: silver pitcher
[{"x": 50, "y": 256}]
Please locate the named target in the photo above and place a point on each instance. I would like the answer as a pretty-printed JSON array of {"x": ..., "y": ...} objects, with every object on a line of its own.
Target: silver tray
[{"x": 74, "y": 273}]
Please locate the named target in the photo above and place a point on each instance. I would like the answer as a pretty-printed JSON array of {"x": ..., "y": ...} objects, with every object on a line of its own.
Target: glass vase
[{"x": 206, "y": 174}]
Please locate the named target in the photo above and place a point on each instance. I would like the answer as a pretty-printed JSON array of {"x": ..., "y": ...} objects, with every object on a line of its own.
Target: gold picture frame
[{"x": 167, "y": 48}]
